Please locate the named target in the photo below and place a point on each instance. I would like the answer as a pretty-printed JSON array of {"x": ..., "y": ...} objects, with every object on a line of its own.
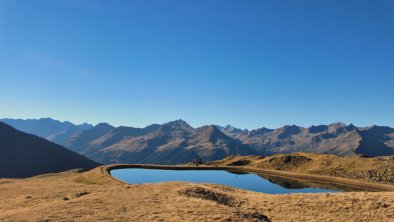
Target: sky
[{"x": 251, "y": 64}]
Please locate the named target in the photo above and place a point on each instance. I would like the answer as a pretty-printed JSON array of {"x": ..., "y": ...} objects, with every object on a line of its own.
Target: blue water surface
[{"x": 251, "y": 182}]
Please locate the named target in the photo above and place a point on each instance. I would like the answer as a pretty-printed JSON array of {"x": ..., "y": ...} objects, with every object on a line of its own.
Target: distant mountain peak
[
  {"x": 350, "y": 127},
  {"x": 47, "y": 119},
  {"x": 288, "y": 130},
  {"x": 85, "y": 126},
  {"x": 291, "y": 126},
  {"x": 179, "y": 124},
  {"x": 338, "y": 124},
  {"x": 259, "y": 132},
  {"x": 178, "y": 121},
  {"x": 209, "y": 127},
  {"x": 318, "y": 128},
  {"x": 209, "y": 133},
  {"x": 232, "y": 129},
  {"x": 50, "y": 120},
  {"x": 103, "y": 125}
]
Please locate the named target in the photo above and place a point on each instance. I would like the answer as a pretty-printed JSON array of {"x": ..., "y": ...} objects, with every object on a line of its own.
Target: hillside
[
  {"x": 171, "y": 143},
  {"x": 377, "y": 169},
  {"x": 25, "y": 155},
  {"x": 47, "y": 128}
]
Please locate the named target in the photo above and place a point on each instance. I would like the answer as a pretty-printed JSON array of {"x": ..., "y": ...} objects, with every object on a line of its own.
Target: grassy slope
[
  {"x": 106, "y": 199},
  {"x": 378, "y": 169}
]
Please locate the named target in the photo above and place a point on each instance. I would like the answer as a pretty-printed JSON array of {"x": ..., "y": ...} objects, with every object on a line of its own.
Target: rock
[
  {"x": 380, "y": 205},
  {"x": 210, "y": 194},
  {"x": 81, "y": 194}
]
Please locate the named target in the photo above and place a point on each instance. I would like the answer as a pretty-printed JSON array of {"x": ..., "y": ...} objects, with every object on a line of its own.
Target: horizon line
[{"x": 226, "y": 125}]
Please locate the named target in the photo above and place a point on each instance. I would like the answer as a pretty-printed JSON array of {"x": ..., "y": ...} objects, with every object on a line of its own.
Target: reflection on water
[
  {"x": 287, "y": 183},
  {"x": 237, "y": 172},
  {"x": 290, "y": 183},
  {"x": 259, "y": 183}
]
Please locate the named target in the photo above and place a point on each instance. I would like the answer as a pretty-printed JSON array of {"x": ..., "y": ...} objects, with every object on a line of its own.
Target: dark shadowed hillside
[
  {"x": 52, "y": 130},
  {"x": 25, "y": 155},
  {"x": 378, "y": 137}
]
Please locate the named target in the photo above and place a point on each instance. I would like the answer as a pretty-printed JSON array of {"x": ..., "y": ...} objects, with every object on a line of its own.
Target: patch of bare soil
[{"x": 210, "y": 194}]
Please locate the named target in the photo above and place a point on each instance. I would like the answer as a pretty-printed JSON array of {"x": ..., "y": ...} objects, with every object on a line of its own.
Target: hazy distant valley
[{"x": 177, "y": 142}]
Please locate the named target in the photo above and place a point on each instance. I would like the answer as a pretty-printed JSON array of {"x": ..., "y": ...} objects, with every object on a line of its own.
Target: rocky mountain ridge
[
  {"x": 177, "y": 142},
  {"x": 170, "y": 143},
  {"x": 336, "y": 138}
]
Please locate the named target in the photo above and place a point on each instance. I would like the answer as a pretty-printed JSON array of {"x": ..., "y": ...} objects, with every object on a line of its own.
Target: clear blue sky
[{"x": 249, "y": 63}]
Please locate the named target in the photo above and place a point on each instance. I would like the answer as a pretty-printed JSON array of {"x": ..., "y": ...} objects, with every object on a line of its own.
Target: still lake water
[{"x": 253, "y": 182}]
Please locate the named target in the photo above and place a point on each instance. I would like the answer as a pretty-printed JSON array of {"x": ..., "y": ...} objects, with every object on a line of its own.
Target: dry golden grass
[
  {"x": 94, "y": 196},
  {"x": 378, "y": 169}
]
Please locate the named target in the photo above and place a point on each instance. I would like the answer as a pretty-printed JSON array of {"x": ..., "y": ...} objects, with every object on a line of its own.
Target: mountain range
[
  {"x": 171, "y": 143},
  {"x": 336, "y": 138},
  {"x": 47, "y": 128},
  {"x": 177, "y": 142},
  {"x": 26, "y": 155}
]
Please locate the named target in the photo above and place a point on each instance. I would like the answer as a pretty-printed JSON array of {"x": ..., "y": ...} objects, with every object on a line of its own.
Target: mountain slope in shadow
[{"x": 26, "y": 155}]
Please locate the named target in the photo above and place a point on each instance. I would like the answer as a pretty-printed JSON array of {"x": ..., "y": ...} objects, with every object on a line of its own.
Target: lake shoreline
[
  {"x": 96, "y": 196},
  {"x": 292, "y": 175}
]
